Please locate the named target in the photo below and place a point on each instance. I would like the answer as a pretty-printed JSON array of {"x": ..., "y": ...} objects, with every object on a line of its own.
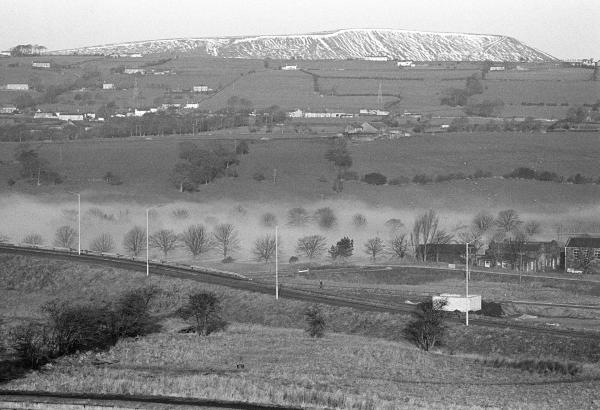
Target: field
[
  {"x": 380, "y": 369},
  {"x": 340, "y": 85}
]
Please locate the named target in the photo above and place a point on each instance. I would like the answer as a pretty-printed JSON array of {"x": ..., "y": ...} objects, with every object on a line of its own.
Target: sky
[{"x": 564, "y": 29}]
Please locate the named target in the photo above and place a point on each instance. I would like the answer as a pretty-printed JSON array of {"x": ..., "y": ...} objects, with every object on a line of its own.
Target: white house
[
  {"x": 17, "y": 87},
  {"x": 192, "y": 106},
  {"x": 289, "y": 67},
  {"x": 45, "y": 116},
  {"x": 405, "y": 63},
  {"x": 40, "y": 64},
  {"x": 498, "y": 68},
  {"x": 376, "y": 58},
  {"x": 200, "y": 89},
  {"x": 69, "y": 116},
  {"x": 108, "y": 86},
  {"x": 369, "y": 111},
  {"x": 296, "y": 114},
  {"x": 8, "y": 109},
  {"x": 134, "y": 71}
]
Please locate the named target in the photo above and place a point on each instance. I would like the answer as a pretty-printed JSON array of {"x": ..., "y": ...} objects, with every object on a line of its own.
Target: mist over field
[{"x": 22, "y": 215}]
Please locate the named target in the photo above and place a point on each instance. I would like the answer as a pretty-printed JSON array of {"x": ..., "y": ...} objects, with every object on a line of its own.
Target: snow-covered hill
[{"x": 341, "y": 44}]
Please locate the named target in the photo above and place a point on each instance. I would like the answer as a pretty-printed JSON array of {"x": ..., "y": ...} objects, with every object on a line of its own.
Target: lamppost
[
  {"x": 467, "y": 302},
  {"x": 78, "y": 220},
  {"x": 276, "y": 265},
  {"x": 148, "y": 236}
]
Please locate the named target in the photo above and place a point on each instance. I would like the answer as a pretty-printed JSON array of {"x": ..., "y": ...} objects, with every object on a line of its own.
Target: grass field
[
  {"x": 286, "y": 367},
  {"x": 420, "y": 87}
]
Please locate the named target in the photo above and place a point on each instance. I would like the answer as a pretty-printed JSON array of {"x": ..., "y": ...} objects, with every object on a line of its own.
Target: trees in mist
[
  {"x": 197, "y": 240},
  {"x": 312, "y": 246},
  {"x": 164, "y": 240},
  {"x": 374, "y": 247},
  {"x": 135, "y": 240},
  {"x": 226, "y": 239},
  {"x": 65, "y": 237},
  {"x": 264, "y": 248},
  {"x": 424, "y": 231},
  {"x": 103, "y": 243}
]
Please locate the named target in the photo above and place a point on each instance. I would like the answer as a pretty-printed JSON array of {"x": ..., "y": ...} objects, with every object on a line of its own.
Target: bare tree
[
  {"x": 226, "y": 239},
  {"x": 483, "y": 222},
  {"x": 135, "y": 240},
  {"x": 532, "y": 228},
  {"x": 264, "y": 248},
  {"x": 312, "y": 246},
  {"x": 33, "y": 239},
  {"x": 424, "y": 230},
  {"x": 374, "y": 247},
  {"x": 268, "y": 220},
  {"x": 65, "y": 237},
  {"x": 399, "y": 245},
  {"x": 472, "y": 236},
  {"x": 508, "y": 222},
  {"x": 197, "y": 240},
  {"x": 165, "y": 240},
  {"x": 103, "y": 243}
]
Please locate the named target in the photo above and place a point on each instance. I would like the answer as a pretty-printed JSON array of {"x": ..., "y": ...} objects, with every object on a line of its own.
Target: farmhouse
[
  {"x": 69, "y": 116},
  {"x": 525, "y": 256},
  {"x": 108, "y": 86},
  {"x": 376, "y": 58},
  {"x": 289, "y": 67},
  {"x": 17, "y": 87},
  {"x": 303, "y": 114},
  {"x": 405, "y": 64},
  {"x": 40, "y": 115},
  {"x": 40, "y": 64},
  {"x": 191, "y": 106},
  {"x": 498, "y": 68},
  {"x": 8, "y": 109},
  {"x": 581, "y": 252},
  {"x": 140, "y": 71},
  {"x": 200, "y": 89},
  {"x": 368, "y": 111}
]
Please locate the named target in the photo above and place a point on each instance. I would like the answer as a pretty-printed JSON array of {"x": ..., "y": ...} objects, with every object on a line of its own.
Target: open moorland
[{"x": 283, "y": 365}]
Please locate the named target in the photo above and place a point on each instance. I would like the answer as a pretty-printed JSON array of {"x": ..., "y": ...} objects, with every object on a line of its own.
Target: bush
[
  {"x": 521, "y": 173},
  {"x": 315, "y": 321},
  {"x": 349, "y": 175},
  {"x": 131, "y": 316},
  {"x": 359, "y": 220},
  {"x": 32, "y": 344},
  {"x": 181, "y": 213},
  {"x": 228, "y": 259},
  {"x": 344, "y": 248},
  {"x": 537, "y": 366},
  {"x": 422, "y": 179},
  {"x": 375, "y": 178},
  {"x": 268, "y": 220},
  {"x": 399, "y": 181},
  {"x": 298, "y": 217},
  {"x": 325, "y": 218},
  {"x": 493, "y": 309},
  {"x": 204, "y": 308},
  {"x": 579, "y": 179},
  {"x": 293, "y": 259},
  {"x": 33, "y": 239},
  {"x": 258, "y": 176},
  {"x": 429, "y": 328}
]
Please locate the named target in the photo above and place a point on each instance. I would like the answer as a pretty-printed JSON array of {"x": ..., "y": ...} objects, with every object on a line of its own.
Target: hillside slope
[{"x": 340, "y": 44}]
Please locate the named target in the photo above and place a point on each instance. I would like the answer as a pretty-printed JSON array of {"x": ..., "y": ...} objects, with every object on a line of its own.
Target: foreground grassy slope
[
  {"x": 285, "y": 366},
  {"x": 304, "y": 175}
]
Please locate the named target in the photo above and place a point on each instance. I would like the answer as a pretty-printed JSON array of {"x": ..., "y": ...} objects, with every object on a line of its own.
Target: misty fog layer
[{"x": 22, "y": 215}]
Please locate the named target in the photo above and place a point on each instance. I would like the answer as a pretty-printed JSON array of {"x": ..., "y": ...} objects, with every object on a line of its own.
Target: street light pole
[
  {"x": 147, "y": 243},
  {"x": 276, "y": 265},
  {"x": 79, "y": 224},
  {"x": 467, "y": 290}
]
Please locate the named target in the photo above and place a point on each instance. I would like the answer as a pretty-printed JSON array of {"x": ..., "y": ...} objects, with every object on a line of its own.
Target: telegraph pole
[
  {"x": 467, "y": 290},
  {"x": 276, "y": 265}
]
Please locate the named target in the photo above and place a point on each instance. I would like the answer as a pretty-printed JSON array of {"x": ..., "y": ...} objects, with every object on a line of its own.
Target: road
[{"x": 287, "y": 291}]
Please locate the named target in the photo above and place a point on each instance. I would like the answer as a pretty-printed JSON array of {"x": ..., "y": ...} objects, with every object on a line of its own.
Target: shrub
[
  {"x": 429, "y": 328},
  {"x": 258, "y": 176},
  {"x": 103, "y": 243},
  {"x": 293, "y": 259},
  {"x": 31, "y": 344},
  {"x": 359, "y": 220},
  {"x": 204, "y": 308},
  {"x": 298, "y": 217},
  {"x": 228, "y": 259},
  {"x": 315, "y": 321},
  {"x": 422, "y": 179},
  {"x": 268, "y": 220},
  {"x": 325, "y": 218},
  {"x": 522, "y": 173},
  {"x": 493, "y": 309},
  {"x": 399, "y": 181},
  {"x": 131, "y": 316},
  {"x": 375, "y": 178},
  {"x": 342, "y": 249},
  {"x": 537, "y": 366},
  {"x": 579, "y": 179},
  {"x": 548, "y": 176},
  {"x": 349, "y": 175},
  {"x": 312, "y": 246},
  {"x": 481, "y": 174},
  {"x": 181, "y": 213}
]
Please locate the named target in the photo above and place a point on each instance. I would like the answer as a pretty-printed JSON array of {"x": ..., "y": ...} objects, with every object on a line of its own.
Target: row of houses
[
  {"x": 580, "y": 254},
  {"x": 326, "y": 114}
]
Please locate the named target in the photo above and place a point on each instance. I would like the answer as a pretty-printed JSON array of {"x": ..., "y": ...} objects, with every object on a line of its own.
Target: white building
[
  {"x": 289, "y": 67},
  {"x": 200, "y": 89},
  {"x": 405, "y": 63},
  {"x": 369, "y": 111},
  {"x": 296, "y": 114},
  {"x": 40, "y": 64},
  {"x": 45, "y": 116},
  {"x": 192, "y": 106},
  {"x": 376, "y": 58},
  {"x": 134, "y": 71},
  {"x": 8, "y": 109},
  {"x": 69, "y": 116},
  {"x": 498, "y": 68},
  {"x": 108, "y": 86},
  {"x": 17, "y": 87}
]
